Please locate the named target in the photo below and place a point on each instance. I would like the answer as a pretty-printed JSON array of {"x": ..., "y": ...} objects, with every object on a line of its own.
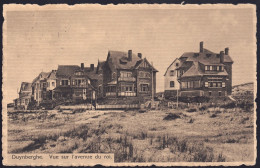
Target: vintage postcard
[{"x": 127, "y": 85}]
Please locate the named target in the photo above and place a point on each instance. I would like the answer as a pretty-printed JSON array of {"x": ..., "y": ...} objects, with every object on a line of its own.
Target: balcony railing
[
  {"x": 130, "y": 79},
  {"x": 110, "y": 93},
  {"x": 126, "y": 94}
]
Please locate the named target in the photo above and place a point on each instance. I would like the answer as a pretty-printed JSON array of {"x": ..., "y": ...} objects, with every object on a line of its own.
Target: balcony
[
  {"x": 130, "y": 94},
  {"x": 111, "y": 94},
  {"x": 128, "y": 79}
]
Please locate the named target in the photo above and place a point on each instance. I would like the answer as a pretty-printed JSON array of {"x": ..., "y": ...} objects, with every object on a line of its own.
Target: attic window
[
  {"x": 218, "y": 55},
  {"x": 177, "y": 64},
  {"x": 122, "y": 61}
]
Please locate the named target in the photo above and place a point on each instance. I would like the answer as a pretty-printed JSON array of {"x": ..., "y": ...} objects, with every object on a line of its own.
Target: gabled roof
[
  {"x": 207, "y": 57},
  {"x": 194, "y": 70},
  {"x": 42, "y": 75},
  {"x": 100, "y": 65},
  {"x": 26, "y": 86},
  {"x": 52, "y": 74},
  {"x": 144, "y": 60},
  {"x": 119, "y": 60},
  {"x": 66, "y": 70},
  {"x": 193, "y": 63},
  {"x": 115, "y": 57},
  {"x": 170, "y": 66},
  {"x": 92, "y": 74}
]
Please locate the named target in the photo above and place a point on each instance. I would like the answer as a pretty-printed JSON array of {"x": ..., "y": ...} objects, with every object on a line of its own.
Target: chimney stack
[
  {"x": 129, "y": 55},
  {"x": 226, "y": 51},
  {"x": 201, "y": 47},
  {"x": 140, "y": 55},
  {"x": 221, "y": 56},
  {"x": 92, "y": 67},
  {"x": 82, "y": 66}
]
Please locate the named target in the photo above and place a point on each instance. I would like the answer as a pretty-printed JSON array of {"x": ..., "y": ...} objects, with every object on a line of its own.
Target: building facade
[
  {"x": 171, "y": 83},
  {"x": 205, "y": 73},
  {"x": 73, "y": 83},
  {"x": 128, "y": 75},
  {"x": 25, "y": 96}
]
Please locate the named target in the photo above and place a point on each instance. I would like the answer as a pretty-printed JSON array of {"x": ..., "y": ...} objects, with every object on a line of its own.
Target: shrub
[
  {"x": 213, "y": 116},
  {"x": 171, "y": 116},
  {"x": 192, "y": 110},
  {"x": 203, "y": 108}
]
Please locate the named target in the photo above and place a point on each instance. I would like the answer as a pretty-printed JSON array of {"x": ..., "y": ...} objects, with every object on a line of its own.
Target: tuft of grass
[
  {"x": 213, "y": 116},
  {"x": 171, "y": 116},
  {"x": 192, "y": 110}
]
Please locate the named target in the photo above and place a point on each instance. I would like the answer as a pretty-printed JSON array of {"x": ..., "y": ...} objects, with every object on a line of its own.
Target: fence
[
  {"x": 117, "y": 106},
  {"x": 85, "y": 106},
  {"x": 181, "y": 104}
]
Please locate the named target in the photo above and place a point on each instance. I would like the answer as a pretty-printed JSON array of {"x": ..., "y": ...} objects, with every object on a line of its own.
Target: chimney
[
  {"x": 82, "y": 66},
  {"x": 91, "y": 67},
  {"x": 226, "y": 51},
  {"x": 221, "y": 56},
  {"x": 201, "y": 47},
  {"x": 140, "y": 55},
  {"x": 129, "y": 55}
]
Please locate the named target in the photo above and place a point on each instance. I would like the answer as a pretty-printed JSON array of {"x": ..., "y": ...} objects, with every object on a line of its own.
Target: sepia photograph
[{"x": 129, "y": 85}]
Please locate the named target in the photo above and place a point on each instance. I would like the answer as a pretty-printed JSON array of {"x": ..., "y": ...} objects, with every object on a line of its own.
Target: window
[
  {"x": 147, "y": 75},
  {"x": 207, "y": 68},
  {"x": 171, "y": 83},
  {"x": 48, "y": 84},
  {"x": 144, "y": 87},
  {"x": 177, "y": 64},
  {"x": 219, "y": 93},
  {"x": 114, "y": 75},
  {"x": 53, "y": 84},
  {"x": 210, "y": 68},
  {"x": 220, "y": 68},
  {"x": 64, "y": 82},
  {"x": 172, "y": 73},
  {"x": 206, "y": 84},
  {"x": 214, "y": 68},
  {"x": 210, "y": 93},
  {"x": 223, "y": 84}
]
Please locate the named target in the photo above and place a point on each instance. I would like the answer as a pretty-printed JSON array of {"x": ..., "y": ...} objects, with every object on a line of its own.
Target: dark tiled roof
[
  {"x": 207, "y": 57},
  {"x": 194, "y": 70},
  {"x": 192, "y": 62},
  {"x": 118, "y": 60},
  {"x": 52, "y": 74},
  {"x": 26, "y": 86},
  {"x": 66, "y": 70},
  {"x": 92, "y": 74},
  {"x": 42, "y": 75}
]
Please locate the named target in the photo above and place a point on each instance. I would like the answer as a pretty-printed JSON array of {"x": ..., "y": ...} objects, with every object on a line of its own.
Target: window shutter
[
  {"x": 206, "y": 84},
  {"x": 60, "y": 82},
  {"x": 223, "y": 84},
  {"x": 68, "y": 82}
]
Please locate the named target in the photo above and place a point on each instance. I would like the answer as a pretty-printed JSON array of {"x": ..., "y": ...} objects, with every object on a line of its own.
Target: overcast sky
[{"x": 41, "y": 40}]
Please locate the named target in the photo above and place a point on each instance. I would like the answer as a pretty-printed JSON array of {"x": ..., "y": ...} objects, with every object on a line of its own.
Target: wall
[
  {"x": 168, "y": 78},
  {"x": 228, "y": 68}
]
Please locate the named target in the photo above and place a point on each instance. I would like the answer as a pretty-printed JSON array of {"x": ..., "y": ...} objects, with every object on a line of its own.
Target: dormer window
[{"x": 172, "y": 73}]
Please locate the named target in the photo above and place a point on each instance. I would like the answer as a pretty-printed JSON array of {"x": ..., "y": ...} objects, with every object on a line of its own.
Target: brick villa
[{"x": 202, "y": 73}]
